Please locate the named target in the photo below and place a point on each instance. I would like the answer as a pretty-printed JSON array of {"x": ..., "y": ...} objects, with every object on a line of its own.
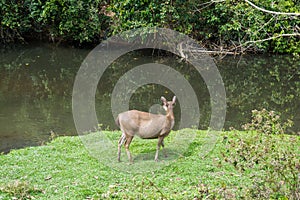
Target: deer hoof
[{"x": 130, "y": 161}]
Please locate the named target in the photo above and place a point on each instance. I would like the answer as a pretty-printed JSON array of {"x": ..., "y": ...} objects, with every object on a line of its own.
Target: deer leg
[
  {"x": 164, "y": 150},
  {"x": 121, "y": 141},
  {"x": 127, "y": 144},
  {"x": 159, "y": 143}
]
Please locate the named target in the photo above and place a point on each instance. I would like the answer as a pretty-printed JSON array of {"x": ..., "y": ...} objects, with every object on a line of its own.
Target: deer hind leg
[
  {"x": 159, "y": 143},
  {"x": 127, "y": 144},
  {"x": 121, "y": 141},
  {"x": 164, "y": 150}
]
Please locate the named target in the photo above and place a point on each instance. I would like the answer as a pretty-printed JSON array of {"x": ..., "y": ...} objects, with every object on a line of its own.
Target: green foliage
[
  {"x": 228, "y": 24},
  {"x": 238, "y": 23},
  {"x": 73, "y": 20},
  {"x": 232, "y": 25},
  {"x": 267, "y": 122},
  {"x": 13, "y": 20},
  {"x": 135, "y": 14},
  {"x": 271, "y": 159},
  {"x": 58, "y": 20}
]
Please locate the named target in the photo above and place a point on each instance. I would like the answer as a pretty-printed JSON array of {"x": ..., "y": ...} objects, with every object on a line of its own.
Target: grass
[{"x": 66, "y": 169}]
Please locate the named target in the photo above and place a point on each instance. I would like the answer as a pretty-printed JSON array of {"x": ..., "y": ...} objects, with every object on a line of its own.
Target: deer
[{"x": 146, "y": 126}]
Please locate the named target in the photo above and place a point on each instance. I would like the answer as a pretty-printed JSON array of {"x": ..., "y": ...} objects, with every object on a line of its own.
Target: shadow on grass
[{"x": 103, "y": 147}]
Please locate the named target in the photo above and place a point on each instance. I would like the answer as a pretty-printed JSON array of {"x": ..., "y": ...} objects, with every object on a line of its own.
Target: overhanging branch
[
  {"x": 271, "y": 38},
  {"x": 271, "y": 12}
]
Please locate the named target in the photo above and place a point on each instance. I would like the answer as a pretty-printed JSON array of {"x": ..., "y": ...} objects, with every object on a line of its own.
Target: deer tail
[{"x": 117, "y": 122}]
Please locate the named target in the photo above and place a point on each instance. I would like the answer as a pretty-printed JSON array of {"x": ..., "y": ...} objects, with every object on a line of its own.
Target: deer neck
[
  {"x": 170, "y": 115},
  {"x": 169, "y": 123}
]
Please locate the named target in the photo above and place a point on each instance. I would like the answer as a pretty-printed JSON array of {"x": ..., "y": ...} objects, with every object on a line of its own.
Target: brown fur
[{"x": 145, "y": 125}]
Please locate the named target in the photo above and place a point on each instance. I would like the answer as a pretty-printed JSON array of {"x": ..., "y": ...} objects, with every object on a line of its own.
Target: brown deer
[{"x": 146, "y": 126}]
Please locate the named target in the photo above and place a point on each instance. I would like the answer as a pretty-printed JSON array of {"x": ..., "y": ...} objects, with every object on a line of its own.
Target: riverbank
[{"x": 242, "y": 164}]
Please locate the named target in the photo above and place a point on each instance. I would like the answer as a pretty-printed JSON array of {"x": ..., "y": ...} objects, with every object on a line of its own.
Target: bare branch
[
  {"x": 271, "y": 12},
  {"x": 251, "y": 42},
  {"x": 271, "y": 38},
  {"x": 236, "y": 50},
  {"x": 213, "y": 52}
]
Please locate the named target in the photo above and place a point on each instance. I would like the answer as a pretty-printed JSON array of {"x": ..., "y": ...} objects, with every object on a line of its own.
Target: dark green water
[{"x": 36, "y": 84}]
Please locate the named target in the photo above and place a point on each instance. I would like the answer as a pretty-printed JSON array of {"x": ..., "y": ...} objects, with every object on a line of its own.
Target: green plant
[
  {"x": 73, "y": 20},
  {"x": 20, "y": 190},
  {"x": 135, "y": 14},
  {"x": 13, "y": 21},
  {"x": 58, "y": 20},
  {"x": 274, "y": 158},
  {"x": 275, "y": 162},
  {"x": 239, "y": 24},
  {"x": 267, "y": 122},
  {"x": 232, "y": 25}
]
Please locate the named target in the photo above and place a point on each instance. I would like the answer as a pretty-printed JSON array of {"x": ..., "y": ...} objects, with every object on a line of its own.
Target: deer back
[{"x": 143, "y": 124}]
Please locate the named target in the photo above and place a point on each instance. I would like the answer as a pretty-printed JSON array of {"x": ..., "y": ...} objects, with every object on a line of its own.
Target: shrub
[
  {"x": 232, "y": 25},
  {"x": 13, "y": 21},
  {"x": 58, "y": 20},
  {"x": 237, "y": 23},
  {"x": 267, "y": 122},
  {"x": 78, "y": 21},
  {"x": 135, "y": 14},
  {"x": 274, "y": 156}
]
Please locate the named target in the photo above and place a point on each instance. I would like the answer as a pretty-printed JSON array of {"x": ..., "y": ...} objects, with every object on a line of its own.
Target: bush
[
  {"x": 267, "y": 122},
  {"x": 57, "y": 20},
  {"x": 228, "y": 24},
  {"x": 78, "y": 21},
  {"x": 14, "y": 21},
  {"x": 275, "y": 157},
  {"x": 232, "y": 25},
  {"x": 135, "y": 14}
]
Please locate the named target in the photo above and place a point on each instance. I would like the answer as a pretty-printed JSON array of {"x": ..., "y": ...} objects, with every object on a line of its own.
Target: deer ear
[
  {"x": 174, "y": 99},
  {"x": 163, "y": 99}
]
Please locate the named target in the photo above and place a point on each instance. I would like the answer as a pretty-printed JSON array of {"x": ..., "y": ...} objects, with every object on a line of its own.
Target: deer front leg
[{"x": 159, "y": 143}]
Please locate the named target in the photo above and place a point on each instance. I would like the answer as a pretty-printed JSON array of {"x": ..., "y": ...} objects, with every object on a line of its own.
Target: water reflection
[
  {"x": 271, "y": 82},
  {"x": 36, "y": 86},
  {"x": 35, "y": 91}
]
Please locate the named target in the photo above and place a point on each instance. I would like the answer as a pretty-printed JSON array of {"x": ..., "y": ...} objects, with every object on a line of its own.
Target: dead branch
[
  {"x": 271, "y": 12},
  {"x": 270, "y": 38}
]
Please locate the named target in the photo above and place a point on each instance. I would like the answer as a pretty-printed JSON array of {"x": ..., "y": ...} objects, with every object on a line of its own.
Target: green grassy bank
[{"x": 241, "y": 165}]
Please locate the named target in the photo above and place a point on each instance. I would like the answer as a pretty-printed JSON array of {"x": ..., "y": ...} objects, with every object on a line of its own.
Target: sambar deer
[{"x": 146, "y": 126}]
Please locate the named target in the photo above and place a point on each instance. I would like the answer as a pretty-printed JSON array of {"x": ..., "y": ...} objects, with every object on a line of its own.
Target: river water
[{"x": 36, "y": 82}]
